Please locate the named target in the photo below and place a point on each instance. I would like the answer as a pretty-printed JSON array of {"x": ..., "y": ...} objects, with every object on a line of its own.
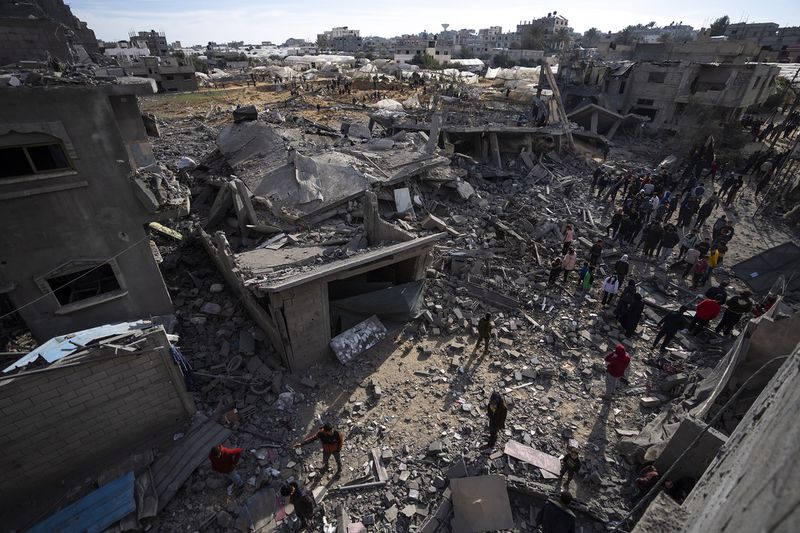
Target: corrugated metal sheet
[
  {"x": 761, "y": 271},
  {"x": 94, "y": 512},
  {"x": 64, "y": 345}
]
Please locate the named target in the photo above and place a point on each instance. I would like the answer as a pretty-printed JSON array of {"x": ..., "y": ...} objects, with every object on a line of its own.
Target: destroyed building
[
  {"x": 43, "y": 29},
  {"x": 663, "y": 90},
  {"x": 171, "y": 74},
  {"x": 79, "y": 184}
]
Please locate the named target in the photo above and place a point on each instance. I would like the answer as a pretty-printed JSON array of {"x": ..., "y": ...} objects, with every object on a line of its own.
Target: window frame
[
  {"x": 69, "y": 169},
  {"x": 77, "y": 266}
]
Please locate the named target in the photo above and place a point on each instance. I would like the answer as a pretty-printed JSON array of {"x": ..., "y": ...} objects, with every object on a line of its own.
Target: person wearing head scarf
[
  {"x": 633, "y": 315},
  {"x": 622, "y": 267}
]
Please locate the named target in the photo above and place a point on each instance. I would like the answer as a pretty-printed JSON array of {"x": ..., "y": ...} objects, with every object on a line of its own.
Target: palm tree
[
  {"x": 561, "y": 38},
  {"x": 591, "y": 37},
  {"x": 533, "y": 38}
]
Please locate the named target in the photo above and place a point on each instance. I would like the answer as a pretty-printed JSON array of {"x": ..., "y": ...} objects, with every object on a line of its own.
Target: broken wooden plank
[{"x": 529, "y": 455}]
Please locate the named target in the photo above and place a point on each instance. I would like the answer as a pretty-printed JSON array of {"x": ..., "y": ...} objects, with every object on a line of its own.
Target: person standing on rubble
[
  {"x": 224, "y": 461},
  {"x": 668, "y": 242},
  {"x": 569, "y": 262},
  {"x": 625, "y": 300},
  {"x": 670, "y": 325},
  {"x": 595, "y": 252},
  {"x": 651, "y": 238},
  {"x": 734, "y": 311},
  {"x": 610, "y": 288},
  {"x": 569, "y": 237},
  {"x": 302, "y": 501},
  {"x": 737, "y": 185},
  {"x": 484, "y": 333},
  {"x": 497, "y": 412},
  {"x": 688, "y": 241},
  {"x": 587, "y": 280},
  {"x": 570, "y": 465},
  {"x": 332, "y": 441},
  {"x": 630, "y": 320},
  {"x": 555, "y": 268},
  {"x": 705, "y": 312},
  {"x": 622, "y": 267},
  {"x": 556, "y": 517},
  {"x": 613, "y": 226},
  {"x": 616, "y": 364},
  {"x": 582, "y": 272},
  {"x": 674, "y": 201}
]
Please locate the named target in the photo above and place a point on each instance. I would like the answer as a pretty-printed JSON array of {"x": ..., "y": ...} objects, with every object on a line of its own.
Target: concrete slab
[
  {"x": 481, "y": 504},
  {"x": 532, "y": 456},
  {"x": 358, "y": 339}
]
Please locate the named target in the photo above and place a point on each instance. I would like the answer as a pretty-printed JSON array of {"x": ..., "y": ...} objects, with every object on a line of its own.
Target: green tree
[
  {"x": 665, "y": 38},
  {"x": 533, "y": 38},
  {"x": 322, "y": 42},
  {"x": 561, "y": 39},
  {"x": 179, "y": 54},
  {"x": 626, "y": 35},
  {"x": 651, "y": 24},
  {"x": 591, "y": 37},
  {"x": 424, "y": 61},
  {"x": 719, "y": 26}
]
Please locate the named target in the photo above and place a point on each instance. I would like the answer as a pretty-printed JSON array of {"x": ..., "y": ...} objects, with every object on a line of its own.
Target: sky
[{"x": 252, "y": 21}]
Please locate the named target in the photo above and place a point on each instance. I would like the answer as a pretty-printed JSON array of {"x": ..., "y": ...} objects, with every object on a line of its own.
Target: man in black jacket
[
  {"x": 672, "y": 323},
  {"x": 556, "y": 517},
  {"x": 734, "y": 310},
  {"x": 302, "y": 501}
]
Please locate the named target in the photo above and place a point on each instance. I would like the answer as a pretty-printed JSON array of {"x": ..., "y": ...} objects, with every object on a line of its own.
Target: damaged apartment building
[
  {"x": 304, "y": 296},
  {"x": 660, "y": 82},
  {"x": 79, "y": 185}
]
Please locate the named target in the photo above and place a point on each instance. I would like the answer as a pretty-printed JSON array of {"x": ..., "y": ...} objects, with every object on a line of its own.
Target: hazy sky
[{"x": 253, "y": 21}]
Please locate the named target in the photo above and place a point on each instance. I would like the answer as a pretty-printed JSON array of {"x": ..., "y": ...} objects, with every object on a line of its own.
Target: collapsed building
[
  {"x": 79, "y": 185},
  {"x": 662, "y": 82}
]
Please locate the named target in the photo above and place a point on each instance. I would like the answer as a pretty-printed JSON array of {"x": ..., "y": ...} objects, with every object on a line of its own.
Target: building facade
[
  {"x": 155, "y": 41},
  {"x": 171, "y": 74},
  {"x": 76, "y": 185}
]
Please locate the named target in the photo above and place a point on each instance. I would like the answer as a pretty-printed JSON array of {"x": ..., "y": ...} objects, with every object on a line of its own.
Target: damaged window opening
[
  {"x": 656, "y": 77},
  {"x": 32, "y": 159},
  {"x": 71, "y": 288}
]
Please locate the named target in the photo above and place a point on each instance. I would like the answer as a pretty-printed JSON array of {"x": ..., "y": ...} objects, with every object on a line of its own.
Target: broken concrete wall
[
  {"x": 69, "y": 220},
  {"x": 85, "y": 409},
  {"x": 379, "y": 230},
  {"x": 752, "y": 483},
  {"x": 699, "y": 457}
]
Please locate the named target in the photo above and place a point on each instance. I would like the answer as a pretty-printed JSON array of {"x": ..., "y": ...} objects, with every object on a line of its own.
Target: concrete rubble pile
[{"x": 383, "y": 239}]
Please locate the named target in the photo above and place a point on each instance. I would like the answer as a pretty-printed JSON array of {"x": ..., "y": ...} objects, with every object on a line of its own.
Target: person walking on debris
[
  {"x": 718, "y": 225},
  {"x": 587, "y": 280},
  {"x": 616, "y": 364},
  {"x": 484, "y": 333},
  {"x": 613, "y": 227},
  {"x": 705, "y": 312},
  {"x": 556, "y": 517},
  {"x": 569, "y": 236},
  {"x": 497, "y": 412},
  {"x": 671, "y": 324},
  {"x": 668, "y": 242},
  {"x": 622, "y": 267},
  {"x": 570, "y": 465},
  {"x": 734, "y": 311},
  {"x": 689, "y": 260},
  {"x": 582, "y": 272},
  {"x": 332, "y": 441},
  {"x": 632, "y": 316},
  {"x": 555, "y": 269},
  {"x": 595, "y": 252},
  {"x": 699, "y": 271},
  {"x": 569, "y": 262},
  {"x": 302, "y": 501},
  {"x": 224, "y": 461},
  {"x": 718, "y": 293},
  {"x": 610, "y": 288},
  {"x": 625, "y": 300},
  {"x": 737, "y": 185}
]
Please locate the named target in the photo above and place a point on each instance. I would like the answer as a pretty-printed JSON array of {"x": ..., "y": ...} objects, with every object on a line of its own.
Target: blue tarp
[{"x": 94, "y": 512}]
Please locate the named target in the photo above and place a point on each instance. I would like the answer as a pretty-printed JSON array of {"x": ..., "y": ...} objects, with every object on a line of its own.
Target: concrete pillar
[
  {"x": 595, "y": 117},
  {"x": 495, "y": 150}
]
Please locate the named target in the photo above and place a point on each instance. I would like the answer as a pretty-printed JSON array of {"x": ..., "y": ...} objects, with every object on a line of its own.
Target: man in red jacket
[
  {"x": 331, "y": 441},
  {"x": 224, "y": 461},
  {"x": 616, "y": 364},
  {"x": 706, "y": 311}
]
